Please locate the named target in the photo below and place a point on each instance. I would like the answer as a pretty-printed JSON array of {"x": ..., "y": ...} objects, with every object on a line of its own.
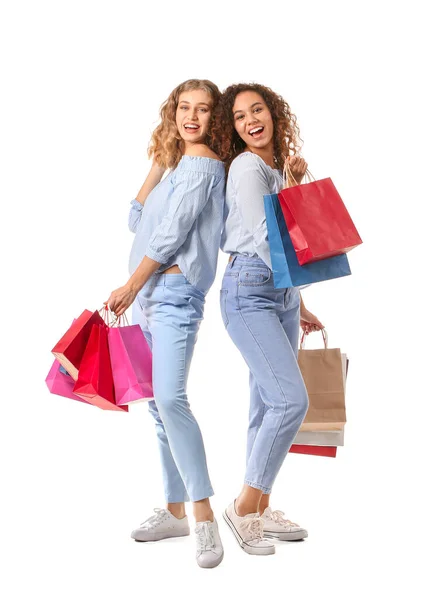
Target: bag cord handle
[
  {"x": 288, "y": 177},
  {"x": 324, "y": 335}
]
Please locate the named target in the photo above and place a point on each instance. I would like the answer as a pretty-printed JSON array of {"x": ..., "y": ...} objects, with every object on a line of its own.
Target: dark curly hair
[{"x": 227, "y": 142}]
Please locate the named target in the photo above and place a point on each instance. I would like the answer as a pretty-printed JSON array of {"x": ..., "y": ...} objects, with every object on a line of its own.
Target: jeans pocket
[
  {"x": 223, "y": 306},
  {"x": 254, "y": 276}
]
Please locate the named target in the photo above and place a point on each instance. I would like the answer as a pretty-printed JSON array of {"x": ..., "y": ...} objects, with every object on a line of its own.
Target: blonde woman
[{"x": 172, "y": 265}]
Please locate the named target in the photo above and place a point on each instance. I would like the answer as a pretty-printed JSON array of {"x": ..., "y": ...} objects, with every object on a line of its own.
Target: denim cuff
[{"x": 258, "y": 486}]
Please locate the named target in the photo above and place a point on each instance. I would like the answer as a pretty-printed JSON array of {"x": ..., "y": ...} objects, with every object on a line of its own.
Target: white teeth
[
  {"x": 256, "y": 129},
  {"x": 191, "y": 126}
]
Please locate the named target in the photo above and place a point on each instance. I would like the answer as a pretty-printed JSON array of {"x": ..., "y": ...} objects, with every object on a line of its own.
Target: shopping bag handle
[
  {"x": 288, "y": 177},
  {"x": 105, "y": 314},
  {"x": 121, "y": 321},
  {"x": 324, "y": 335},
  {"x": 112, "y": 320}
]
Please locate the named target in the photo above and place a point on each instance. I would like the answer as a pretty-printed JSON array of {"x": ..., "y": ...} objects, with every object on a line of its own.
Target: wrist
[{"x": 133, "y": 285}]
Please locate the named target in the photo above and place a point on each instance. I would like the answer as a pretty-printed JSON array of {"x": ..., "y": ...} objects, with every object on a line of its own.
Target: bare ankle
[
  {"x": 177, "y": 509},
  {"x": 262, "y": 508},
  {"x": 201, "y": 516},
  {"x": 202, "y": 511},
  {"x": 264, "y": 503},
  {"x": 244, "y": 508}
]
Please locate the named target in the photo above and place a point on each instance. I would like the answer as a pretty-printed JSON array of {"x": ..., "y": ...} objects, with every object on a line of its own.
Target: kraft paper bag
[{"x": 324, "y": 373}]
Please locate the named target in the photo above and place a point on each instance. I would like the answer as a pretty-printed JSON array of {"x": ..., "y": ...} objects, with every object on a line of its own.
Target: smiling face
[
  {"x": 253, "y": 121},
  {"x": 193, "y": 115}
]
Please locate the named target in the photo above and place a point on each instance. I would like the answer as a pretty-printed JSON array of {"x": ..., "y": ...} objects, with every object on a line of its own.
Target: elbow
[{"x": 133, "y": 224}]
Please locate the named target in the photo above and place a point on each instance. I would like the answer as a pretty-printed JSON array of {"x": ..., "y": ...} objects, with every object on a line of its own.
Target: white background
[{"x": 82, "y": 85}]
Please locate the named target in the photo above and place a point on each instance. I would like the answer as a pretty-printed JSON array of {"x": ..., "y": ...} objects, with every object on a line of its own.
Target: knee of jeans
[
  {"x": 299, "y": 404},
  {"x": 169, "y": 402},
  {"x": 305, "y": 404}
]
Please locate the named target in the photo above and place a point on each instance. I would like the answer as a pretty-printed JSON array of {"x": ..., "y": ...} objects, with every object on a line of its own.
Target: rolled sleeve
[
  {"x": 135, "y": 215},
  {"x": 191, "y": 192}
]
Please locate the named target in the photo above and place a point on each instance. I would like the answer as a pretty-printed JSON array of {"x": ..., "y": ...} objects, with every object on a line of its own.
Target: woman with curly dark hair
[{"x": 256, "y": 134}]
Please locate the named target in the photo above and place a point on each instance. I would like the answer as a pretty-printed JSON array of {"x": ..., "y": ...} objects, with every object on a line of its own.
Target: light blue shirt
[
  {"x": 245, "y": 231},
  {"x": 181, "y": 221}
]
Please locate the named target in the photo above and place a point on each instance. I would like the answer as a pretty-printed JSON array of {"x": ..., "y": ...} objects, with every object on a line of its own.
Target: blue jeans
[
  {"x": 264, "y": 322},
  {"x": 169, "y": 310}
]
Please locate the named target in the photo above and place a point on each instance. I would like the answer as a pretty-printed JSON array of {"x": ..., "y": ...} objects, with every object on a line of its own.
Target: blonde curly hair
[{"x": 166, "y": 145}]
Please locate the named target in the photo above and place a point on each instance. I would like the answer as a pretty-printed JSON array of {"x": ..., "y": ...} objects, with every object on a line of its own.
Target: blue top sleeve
[
  {"x": 135, "y": 215},
  {"x": 191, "y": 192}
]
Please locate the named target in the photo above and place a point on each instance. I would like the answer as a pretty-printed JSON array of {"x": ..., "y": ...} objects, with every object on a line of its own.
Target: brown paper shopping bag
[{"x": 324, "y": 372}]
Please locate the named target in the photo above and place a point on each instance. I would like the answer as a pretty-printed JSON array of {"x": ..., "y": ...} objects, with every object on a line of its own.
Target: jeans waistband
[{"x": 240, "y": 260}]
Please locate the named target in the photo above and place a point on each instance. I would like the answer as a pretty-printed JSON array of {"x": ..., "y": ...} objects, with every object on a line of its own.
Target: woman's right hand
[{"x": 297, "y": 167}]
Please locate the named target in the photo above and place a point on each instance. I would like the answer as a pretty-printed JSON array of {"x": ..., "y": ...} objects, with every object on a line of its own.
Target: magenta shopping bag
[
  {"x": 131, "y": 360},
  {"x": 61, "y": 384}
]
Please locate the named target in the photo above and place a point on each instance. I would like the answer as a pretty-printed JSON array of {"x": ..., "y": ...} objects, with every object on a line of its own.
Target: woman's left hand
[
  {"x": 309, "y": 322},
  {"x": 120, "y": 299}
]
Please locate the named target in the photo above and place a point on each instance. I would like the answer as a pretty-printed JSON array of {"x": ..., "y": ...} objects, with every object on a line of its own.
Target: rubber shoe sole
[
  {"x": 294, "y": 536},
  {"x": 246, "y": 547},
  {"x": 156, "y": 537},
  {"x": 214, "y": 564}
]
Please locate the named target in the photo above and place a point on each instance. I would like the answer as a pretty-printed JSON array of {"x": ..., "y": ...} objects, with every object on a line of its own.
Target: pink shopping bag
[
  {"x": 131, "y": 360},
  {"x": 61, "y": 384}
]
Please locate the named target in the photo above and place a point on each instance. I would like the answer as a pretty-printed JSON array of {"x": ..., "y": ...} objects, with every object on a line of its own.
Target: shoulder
[
  {"x": 247, "y": 162},
  {"x": 204, "y": 167},
  {"x": 203, "y": 151}
]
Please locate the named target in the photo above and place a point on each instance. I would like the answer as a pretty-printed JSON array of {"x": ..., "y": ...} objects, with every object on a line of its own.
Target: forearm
[
  {"x": 152, "y": 180},
  {"x": 143, "y": 273}
]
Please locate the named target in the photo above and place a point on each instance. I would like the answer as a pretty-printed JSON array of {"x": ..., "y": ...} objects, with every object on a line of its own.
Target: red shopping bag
[
  {"x": 95, "y": 380},
  {"x": 318, "y": 222},
  {"x": 61, "y": 384},
  {"x": 330, "y": 451},
  {"x": 70, "y": 349},
  {"x": 131, "y": 361}
]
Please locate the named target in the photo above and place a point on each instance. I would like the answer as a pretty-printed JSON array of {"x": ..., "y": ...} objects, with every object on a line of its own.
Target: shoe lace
[
  {"x": 204, "y": 536},
  {"x": 154, "y": 520},
  {"x": 252, "y": 528},
  {"x": 277, "y": 517}
]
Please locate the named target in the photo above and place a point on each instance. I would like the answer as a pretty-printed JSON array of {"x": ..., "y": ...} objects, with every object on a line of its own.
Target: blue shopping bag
[{"x": 286, "y": 269}]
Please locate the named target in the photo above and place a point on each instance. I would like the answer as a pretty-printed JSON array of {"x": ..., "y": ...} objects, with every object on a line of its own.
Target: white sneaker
[
  {"x": 161, "y": 525},
  {"x": 209, "y": 549},
  {"x": 248, "y": 531},
  {"x": 275, "y": 526}
]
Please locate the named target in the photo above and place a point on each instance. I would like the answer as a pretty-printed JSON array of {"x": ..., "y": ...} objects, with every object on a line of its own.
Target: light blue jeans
[
  {"x": 264, "y": 322},
  {"x": 169, "y": 310}
]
